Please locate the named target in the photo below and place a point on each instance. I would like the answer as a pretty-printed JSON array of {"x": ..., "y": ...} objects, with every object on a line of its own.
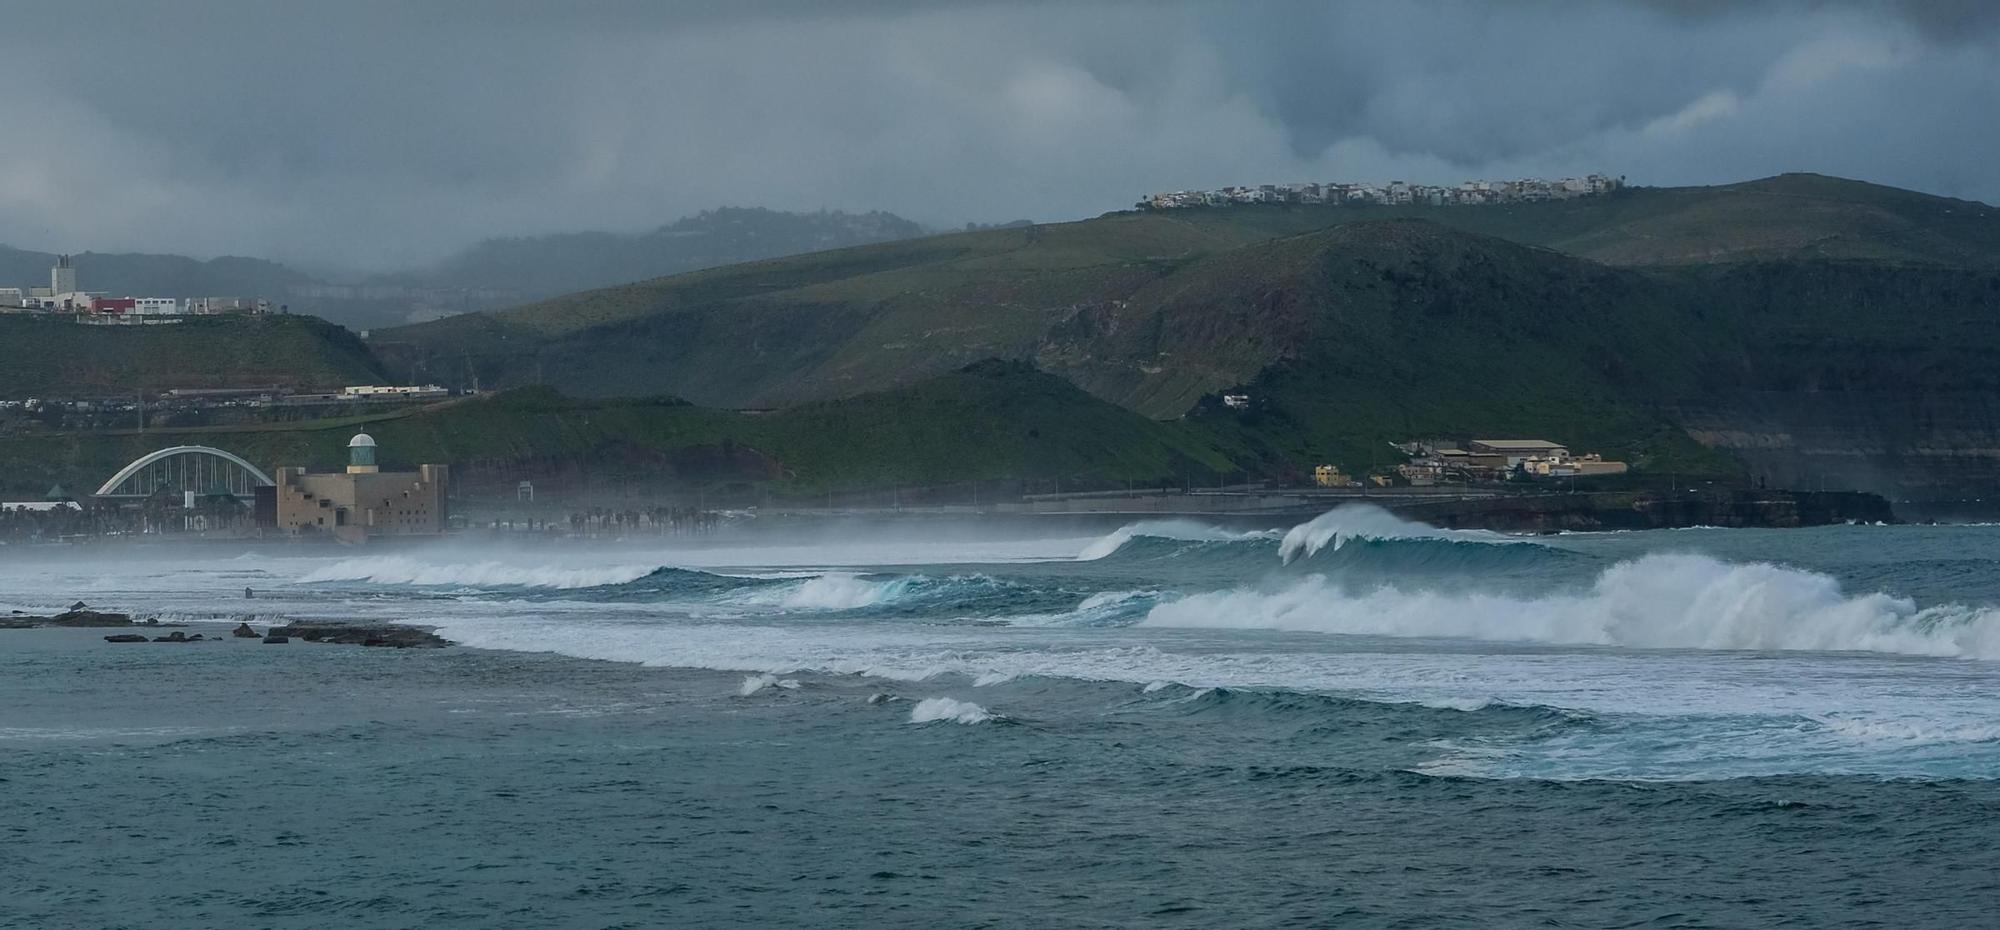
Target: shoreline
[{"x": 1583, "y": 511}]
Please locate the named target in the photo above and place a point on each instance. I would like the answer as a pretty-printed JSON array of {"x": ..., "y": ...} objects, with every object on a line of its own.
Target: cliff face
[
  {"x": 1911, "y": 446},
  {"x": 1853, "y": 375}
]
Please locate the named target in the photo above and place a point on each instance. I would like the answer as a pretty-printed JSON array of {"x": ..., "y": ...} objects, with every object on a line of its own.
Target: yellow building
[
  {"x": 364, "y": 501},
  {"x": 1329, "y": 476}
]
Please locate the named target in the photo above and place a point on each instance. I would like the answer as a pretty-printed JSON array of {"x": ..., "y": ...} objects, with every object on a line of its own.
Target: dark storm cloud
[
  {"x": 385, "y": 134},
  {"x": 1941, "y": 19}
]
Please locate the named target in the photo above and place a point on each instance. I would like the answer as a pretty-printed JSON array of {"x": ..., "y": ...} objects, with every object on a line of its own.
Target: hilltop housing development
[{"x": 1394, "y": 193}]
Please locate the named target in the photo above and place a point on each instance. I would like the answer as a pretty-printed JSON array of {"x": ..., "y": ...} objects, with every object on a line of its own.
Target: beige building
[
  {"x": 364, "y": 501},
  {"x": 1515, "y": 451}
]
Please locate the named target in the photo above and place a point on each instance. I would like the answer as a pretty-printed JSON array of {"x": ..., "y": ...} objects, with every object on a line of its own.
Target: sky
[{"x": 377, "y": 135}]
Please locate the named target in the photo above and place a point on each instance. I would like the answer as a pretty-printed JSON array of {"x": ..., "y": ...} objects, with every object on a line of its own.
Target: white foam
[
  {"x": 1350, "y": 522},
  {"x": 1657, "y": 601},
  {"x": 989, "y": 679},
  {"x": 931, "y": 710},
  {"x": 826, "y": 592},
  {"x": 1907, "y": 731},
  {"x": 408, "y": 570}
]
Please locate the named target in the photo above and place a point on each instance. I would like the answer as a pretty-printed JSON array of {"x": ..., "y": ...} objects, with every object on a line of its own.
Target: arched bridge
[{"x": 200, "y": 469}]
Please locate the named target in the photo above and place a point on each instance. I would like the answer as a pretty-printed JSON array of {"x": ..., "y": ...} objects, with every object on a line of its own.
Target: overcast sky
[{"x": 387, "y": 134}]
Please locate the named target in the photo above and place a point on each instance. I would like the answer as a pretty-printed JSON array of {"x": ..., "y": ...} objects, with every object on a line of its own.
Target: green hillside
[
  {"x": 994, "y": 420},
  {"x": 53, "y": 356},
  {"x": 788, "y": 330},
  {"x": 1800, "y": 328}
]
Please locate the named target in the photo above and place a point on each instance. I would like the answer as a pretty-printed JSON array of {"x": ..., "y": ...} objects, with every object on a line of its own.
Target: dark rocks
[
  {"x": 274, "y": 639},
  {"x": 75, "y": 617},
  {"x": 178, "y": 636},
  {"x": 78, "y": 617},
  {"x": 354, "y": 634},
  {"x": 243, "y": 631},
  {"x": 126, "y": 638},
  {"x": 79, "y": 605}
]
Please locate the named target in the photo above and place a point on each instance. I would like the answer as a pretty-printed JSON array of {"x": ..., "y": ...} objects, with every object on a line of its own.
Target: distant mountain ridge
[
  {"x": 145, "y": 275},
  {"x": 491, "y": 274},
  {"x": 545, "y": 266}
]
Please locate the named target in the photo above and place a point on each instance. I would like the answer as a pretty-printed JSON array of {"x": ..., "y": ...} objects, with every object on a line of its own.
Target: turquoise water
[{"x": 1358, "y": 722}]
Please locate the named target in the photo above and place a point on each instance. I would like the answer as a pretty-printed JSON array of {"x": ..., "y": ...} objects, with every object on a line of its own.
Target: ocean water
[{"x": 1354, "y": 722}]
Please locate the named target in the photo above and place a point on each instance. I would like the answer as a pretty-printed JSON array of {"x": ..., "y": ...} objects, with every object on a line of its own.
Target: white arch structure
[{"x": 191, "y": 468}]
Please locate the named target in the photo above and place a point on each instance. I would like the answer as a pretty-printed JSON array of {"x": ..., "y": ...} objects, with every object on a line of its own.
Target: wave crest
[
  {"x": 1178, "y": 530},
  {"x": 1350, "y": 522},
  {"x": 1656, "y": 601}
]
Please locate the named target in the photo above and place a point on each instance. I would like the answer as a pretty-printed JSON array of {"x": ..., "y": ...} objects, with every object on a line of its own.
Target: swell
[{"x": 1319, "y": 707}]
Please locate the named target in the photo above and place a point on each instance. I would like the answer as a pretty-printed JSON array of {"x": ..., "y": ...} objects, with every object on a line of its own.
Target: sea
[{"x": 1356, "y": 721}]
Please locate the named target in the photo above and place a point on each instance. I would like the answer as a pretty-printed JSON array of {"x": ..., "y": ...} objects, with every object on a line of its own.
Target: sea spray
[
  {"x": 1656, "y": 601},
  {"x": 407, "y": 570},
  {"x": 932, "y": 710},
  {"x": 756, "y": 683}
]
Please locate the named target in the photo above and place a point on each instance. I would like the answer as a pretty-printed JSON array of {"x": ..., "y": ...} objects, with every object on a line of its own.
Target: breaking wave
[
  {"x": 828, "y": 592},
  {"x": 1350, "y": 522},
  {"x": 1351, "y": 538},
  {"x": 1656, "y": 601},
  {"x": 1177, "y": 530},
  {"x": 932, "y": 710}
]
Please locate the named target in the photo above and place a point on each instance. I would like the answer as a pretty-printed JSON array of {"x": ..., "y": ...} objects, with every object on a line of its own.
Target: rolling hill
[
  {"x": 781, "y": 331},
  {"x": 1610, "y": 322}
]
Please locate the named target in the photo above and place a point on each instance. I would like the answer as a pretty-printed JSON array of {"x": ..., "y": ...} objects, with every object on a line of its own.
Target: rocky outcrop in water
[
  {"x": 76, "y": 617},
  {"x": 356, "y": 634},
  {"x": 243, "y": 631}
]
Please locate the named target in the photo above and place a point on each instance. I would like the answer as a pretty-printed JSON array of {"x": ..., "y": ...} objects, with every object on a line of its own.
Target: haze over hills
[
  {"x": 490, "y": 274},
  {"x": 140, "y": 274},
  {"x": 545, "y": 266}
]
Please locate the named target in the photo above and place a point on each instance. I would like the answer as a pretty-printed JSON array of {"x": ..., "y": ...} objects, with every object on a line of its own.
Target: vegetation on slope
[
  {"x": 993, "y": 420},
  {"x": 54, "y": 356},
  {"x": 831, "y": 324}
]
